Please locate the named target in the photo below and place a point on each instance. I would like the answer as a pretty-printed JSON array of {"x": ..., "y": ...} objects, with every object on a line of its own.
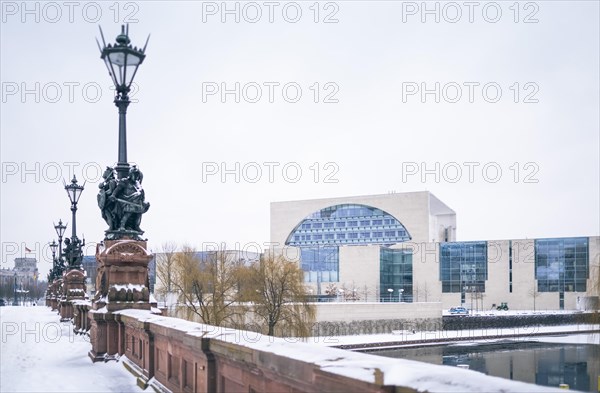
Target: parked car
[
  {"x": 2, "y": 302},
  {"x": 459, "y": 311}
]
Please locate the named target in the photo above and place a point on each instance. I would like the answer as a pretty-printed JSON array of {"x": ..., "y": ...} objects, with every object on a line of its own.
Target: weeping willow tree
[
  {"x": 208, "y": 286},
  {"x": 280, "y": 299}
]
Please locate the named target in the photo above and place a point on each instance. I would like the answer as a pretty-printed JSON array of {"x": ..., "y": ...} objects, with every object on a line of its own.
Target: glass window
[
  {"x": 344, "y": 219},
  {"x": 395, "y": 273},
  {"x": 320, "y": 264},
  {"x": 463, "y": 266},
  {"x": 562, "y": 265}
]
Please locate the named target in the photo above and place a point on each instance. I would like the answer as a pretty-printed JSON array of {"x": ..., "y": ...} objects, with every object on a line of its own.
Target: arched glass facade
[
  {"x": 320, "y": 234},
  {"x": 348, "y": 224}
]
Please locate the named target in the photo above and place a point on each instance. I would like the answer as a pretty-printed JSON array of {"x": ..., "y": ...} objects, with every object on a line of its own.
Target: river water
[{"x": 549, "y": 361}]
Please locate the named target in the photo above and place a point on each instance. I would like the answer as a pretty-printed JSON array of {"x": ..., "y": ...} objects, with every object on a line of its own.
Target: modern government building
[{"x": 402, "y": 247}]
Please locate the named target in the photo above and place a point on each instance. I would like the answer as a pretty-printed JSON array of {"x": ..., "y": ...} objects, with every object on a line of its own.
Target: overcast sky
[{"x": 491, "y": 106}]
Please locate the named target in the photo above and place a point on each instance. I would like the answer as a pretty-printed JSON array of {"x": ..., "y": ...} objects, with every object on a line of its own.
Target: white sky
[{"x": 371, "y": 137}]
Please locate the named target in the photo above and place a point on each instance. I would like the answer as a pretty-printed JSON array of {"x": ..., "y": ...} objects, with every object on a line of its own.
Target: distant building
[{"x": 26, "y": 273}]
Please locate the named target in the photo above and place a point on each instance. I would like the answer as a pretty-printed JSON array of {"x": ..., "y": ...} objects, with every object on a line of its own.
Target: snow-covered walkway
[{"x": 38, "y": 353}]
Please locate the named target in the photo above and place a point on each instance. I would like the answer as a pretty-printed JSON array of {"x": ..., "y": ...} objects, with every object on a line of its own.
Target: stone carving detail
[
  {"x": 126, "y": 248},
  {"x": 134, "y": 294},
  {"x": 122, "y": 275},
  {"x": 122, "y": 203}
]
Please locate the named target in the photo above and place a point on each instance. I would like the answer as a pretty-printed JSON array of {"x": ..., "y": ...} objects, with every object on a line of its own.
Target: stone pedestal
[
  {"x": 73, "y": 289},
  {"x": 122, "y": 283},
  {"x": 56, "y": 293}
]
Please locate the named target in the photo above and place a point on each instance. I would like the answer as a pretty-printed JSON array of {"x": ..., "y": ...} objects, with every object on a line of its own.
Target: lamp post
[
  {"x": 15, "y": 291},
  {"x": 53, "y": 247},
  {"x": 121, "y": 198},
  {"x": 74, "y": 191},
  {"x": 60, "y": 231},
  {"x": 21, "y": 290},
  {"x": 390, "y": 290},
  {"x": 122, "y": 62},
  {"x": 400, "y": 292}
]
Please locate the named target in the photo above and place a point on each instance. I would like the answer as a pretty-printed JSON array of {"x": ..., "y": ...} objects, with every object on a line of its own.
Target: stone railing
[
  {"x": 171, "y": 354},
  {"x": 81, "y": 322}
]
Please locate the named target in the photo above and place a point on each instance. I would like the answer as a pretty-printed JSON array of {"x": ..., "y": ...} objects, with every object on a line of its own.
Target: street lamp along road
[{"x": 121, "y": 198}]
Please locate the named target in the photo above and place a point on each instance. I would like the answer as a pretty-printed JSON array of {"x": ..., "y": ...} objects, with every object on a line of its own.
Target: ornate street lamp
[
  {"x": 121, "y": 198},
  {"x": 122, "y": 61},
  {"x": 60, "y": 231},
  {"x": 53, "y": 247},
  {"x": 74, "y": 254}
]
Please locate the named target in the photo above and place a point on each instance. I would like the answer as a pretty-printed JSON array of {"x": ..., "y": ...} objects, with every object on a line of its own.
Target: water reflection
[{"x": 549, "y": 364}]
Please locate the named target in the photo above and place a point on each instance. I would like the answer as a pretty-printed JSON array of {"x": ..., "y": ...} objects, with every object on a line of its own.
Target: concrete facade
[
  {"x": 422, "y": 214},
  {"x": 511, "y": 268}
]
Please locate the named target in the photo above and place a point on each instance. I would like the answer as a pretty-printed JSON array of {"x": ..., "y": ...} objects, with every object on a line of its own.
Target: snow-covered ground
[
  {"x": 525, "y": 333},
  {"x": 495, "y": 313},
  {"x": 40, "y": 354}
]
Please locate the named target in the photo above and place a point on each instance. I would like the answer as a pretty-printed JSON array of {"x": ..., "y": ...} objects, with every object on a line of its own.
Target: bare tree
[
  {"x": 165, "y": 269},
  {"x": 351, "y": 294},
  {"x": 366, "y": 292},
  {"x": 416, "y": 295},
  {"x": 477, "y": 295},
  {"x": 279, "y": 296},
  {"x": 533, "y": 293},
  {"x": 331, "y": 289},
  {"x": 209, "y": 287}
]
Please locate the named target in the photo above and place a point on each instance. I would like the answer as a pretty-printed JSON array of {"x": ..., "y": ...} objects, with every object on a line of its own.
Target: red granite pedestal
[
  {"x": 73, "y": 289},
  {"x": 121, "y": 283},
  {"x": 56, "y": 293}
]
